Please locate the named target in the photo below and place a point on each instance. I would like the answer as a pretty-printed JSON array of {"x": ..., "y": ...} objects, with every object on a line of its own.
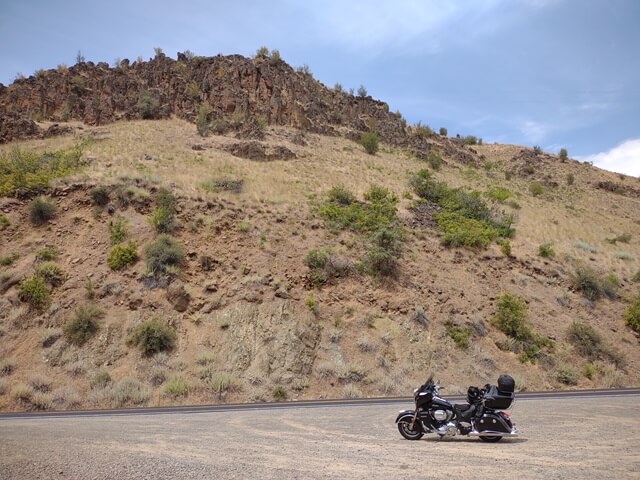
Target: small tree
[
  {"x": 148, "y": 105},
  {"x": 563, "y": 154},
  {"x": 362, "y": 91},
  {"x": 202, "y": 119},
  {"x": 261, "y": 52},
  {"x": 443, "y": 132},
  {"x": 370, "y": 142}
]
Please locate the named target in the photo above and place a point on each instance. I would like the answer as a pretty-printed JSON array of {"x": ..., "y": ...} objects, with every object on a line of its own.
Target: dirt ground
[{"x": 577, "y": 438}]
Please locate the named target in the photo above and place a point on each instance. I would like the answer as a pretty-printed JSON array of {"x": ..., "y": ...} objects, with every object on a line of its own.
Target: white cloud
[
  {"x": 624, "y": 158},
  {"x": 534, "y": 131},
  {"x": 378, "y": 23}
]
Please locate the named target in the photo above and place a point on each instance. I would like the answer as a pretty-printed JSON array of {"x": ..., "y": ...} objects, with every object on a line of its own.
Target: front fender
[{"x": 404, "y": 413}]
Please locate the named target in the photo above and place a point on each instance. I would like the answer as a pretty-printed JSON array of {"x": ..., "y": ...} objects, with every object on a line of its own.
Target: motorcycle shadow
[{"x": 457, "y": 439}]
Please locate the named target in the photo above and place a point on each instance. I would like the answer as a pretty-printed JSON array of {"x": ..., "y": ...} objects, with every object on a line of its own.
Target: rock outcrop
[{"x": 235, "y": 87}]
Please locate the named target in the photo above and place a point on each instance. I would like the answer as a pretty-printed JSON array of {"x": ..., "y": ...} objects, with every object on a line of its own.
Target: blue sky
[{"x": 553, "y": 73}]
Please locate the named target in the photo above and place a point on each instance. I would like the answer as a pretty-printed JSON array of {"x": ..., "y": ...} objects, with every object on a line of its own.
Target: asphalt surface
[{"x": 565, "y": 436}]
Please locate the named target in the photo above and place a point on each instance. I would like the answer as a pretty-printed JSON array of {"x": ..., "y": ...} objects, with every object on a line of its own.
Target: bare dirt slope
[{"x": 250, "y": 324}]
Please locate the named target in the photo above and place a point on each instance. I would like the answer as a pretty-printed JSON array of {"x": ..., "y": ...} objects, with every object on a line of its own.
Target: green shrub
[
  {"x": 279, "y": 393},
  {"x": 99, "y": 196},
  {"x": 129, "y": 391},
  {"x": 220, "y": 383},
  {"x": 434, "y": 159},
  {"x": 636, "y": 277},
  {"x": 536, "y": 188},
  {"x": 24, "y": 171},
  {"x": 592, "y": 285},
  {"x": 567, "y": 375},
  {"x": 311, "y": 304},
  {"x": 176, "y": 386},
  {"x": 382, "y": 256},
  {"x": 378, "y": 211},
  {"x": 632, "y": 315},
  {"x": 586, "y": 340},
  {"x": 465, "y": 219},
  {"x": 164, "y": 252},
  {"x": 590, "y": 344},
  {"x": 341, "y": 196},
  {"x": 537, "y": 149},
  {"x": 51, "y": 273},
  {"x": 9, "y": 259},
  {"x": 192, "y": 90},
  {"x": 33, "y": 290},
  {"x": 121, "y": 255},
  {"x": 316, "y": 259},
  {"x": 202, "y": 119},
  {"x": 148, "y": 105},
  {"x": 162, "y": 220},
  {"x": 571, "y": 178},
  {"x": 47, "y": 254},
  {"x": 510, "y": 317},
  {"x": 546, "y": 250},
  {"x": 4, "y": 222},
  {"x": 443, "y": 132},
  {"x": 460, "y": 335},
  {"x": 370, "y": 142},
  {"x": 117, "y": 230},
  {"x": 462, "y": 231},
  {"x": 362, "y": 91},
  {"x": 563, "y": 154},
  {"x": 84, "y": 324},
  {"x": 470, "y": 140},
  {"x": 505, "y": 246},
  {"x": 589, "y": 370},
  {"x": 41, "y": 210},
  {"x": 498, "y": 194},
  {"x": 153, "y": 336},
  {"x": 100, "y": 379}
]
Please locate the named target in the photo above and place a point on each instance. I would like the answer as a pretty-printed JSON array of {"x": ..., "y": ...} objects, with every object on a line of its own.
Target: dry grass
[{"x": 562, "y": 216}]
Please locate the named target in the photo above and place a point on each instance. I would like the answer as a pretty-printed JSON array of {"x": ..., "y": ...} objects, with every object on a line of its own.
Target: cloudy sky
[{"x": 552, "y": 73}]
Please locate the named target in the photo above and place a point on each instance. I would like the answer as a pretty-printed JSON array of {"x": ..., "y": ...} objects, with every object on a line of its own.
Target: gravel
[{"x": 577, "y": 438}]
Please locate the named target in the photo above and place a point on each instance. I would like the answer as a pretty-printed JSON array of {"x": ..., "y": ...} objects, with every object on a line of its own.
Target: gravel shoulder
[{"x": 568, "y": 439}]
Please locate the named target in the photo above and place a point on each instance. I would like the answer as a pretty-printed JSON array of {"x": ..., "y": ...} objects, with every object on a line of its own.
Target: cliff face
[{"x": 234, "y": 86}]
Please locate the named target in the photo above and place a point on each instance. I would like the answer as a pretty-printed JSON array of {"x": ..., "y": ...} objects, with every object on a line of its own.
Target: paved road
[{"x": 566, "y": 438}]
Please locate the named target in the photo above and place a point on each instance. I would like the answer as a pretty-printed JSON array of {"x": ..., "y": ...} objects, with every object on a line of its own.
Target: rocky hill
[{"x": 263, "y": 254}]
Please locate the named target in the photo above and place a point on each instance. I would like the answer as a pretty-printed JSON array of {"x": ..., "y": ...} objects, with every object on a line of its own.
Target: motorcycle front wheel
[{"x": 404, "y": 427}]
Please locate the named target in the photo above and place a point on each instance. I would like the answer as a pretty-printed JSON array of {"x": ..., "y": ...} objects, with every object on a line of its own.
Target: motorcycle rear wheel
[
  {"x": 486, "y": 438},
  {"x": 404, "y": 427}
]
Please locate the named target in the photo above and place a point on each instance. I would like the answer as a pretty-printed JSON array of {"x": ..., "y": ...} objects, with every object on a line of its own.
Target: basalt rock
[{"x": 233, "y": 86}]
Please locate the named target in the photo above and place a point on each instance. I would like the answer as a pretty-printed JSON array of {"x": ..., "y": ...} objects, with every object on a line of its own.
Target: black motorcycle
[{"x": 480, "y": 417}]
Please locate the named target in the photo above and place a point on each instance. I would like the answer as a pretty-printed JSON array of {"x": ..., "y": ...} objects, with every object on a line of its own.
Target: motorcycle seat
[{"x": 464, "y": 410}]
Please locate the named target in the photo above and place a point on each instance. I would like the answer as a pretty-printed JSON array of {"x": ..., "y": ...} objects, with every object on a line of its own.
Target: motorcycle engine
[{"x": 441, "y": 415}]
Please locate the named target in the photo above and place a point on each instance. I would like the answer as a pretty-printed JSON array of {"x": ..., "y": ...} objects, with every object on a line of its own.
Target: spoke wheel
[{"x": 404, "y": 427}]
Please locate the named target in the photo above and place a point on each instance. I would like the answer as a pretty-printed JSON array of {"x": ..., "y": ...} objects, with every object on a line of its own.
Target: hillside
[{"x": 255, "y": 316}]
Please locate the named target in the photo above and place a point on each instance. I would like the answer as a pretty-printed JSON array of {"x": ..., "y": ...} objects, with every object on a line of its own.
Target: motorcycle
[{"x": 481, "y": 416}]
